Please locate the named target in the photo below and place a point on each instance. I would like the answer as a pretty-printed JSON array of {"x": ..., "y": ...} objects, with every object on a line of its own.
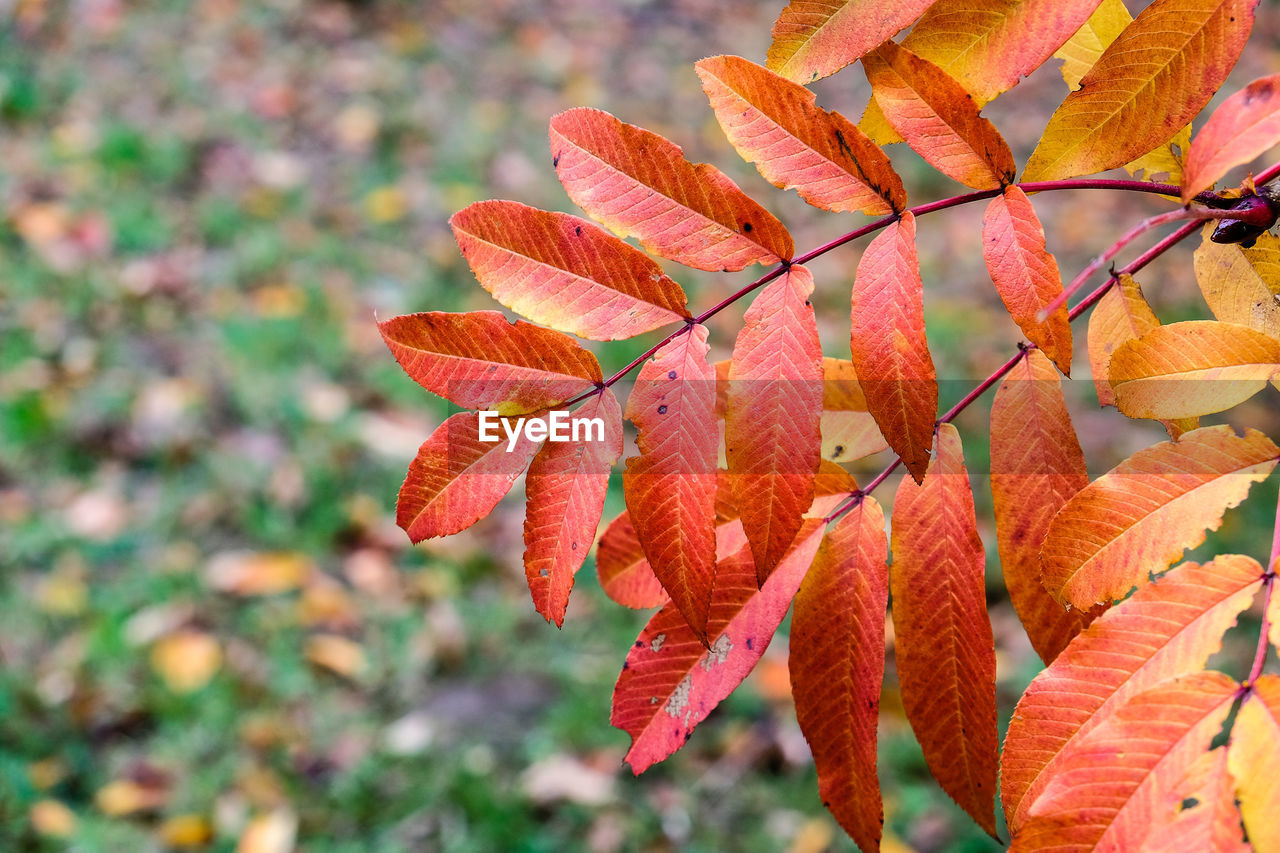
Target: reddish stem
[{"x": 1264, "y": 630}]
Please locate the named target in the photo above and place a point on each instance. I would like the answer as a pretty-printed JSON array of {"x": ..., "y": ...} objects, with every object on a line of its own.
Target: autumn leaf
[
  {"x": 671, "y": 680},
  {"x": 1140, "y": 516},
  {"x": 458, "y": 478},
  {"x": 1148, "y": 83},
  {"x": 1192, "y": 368},
  {"x": 937, "y": 118},
  {"x": 816, "y": 38},
  {"x": 773, "y": 414},
  {"x": 480, "y": 360},
  {"x": 671, "y": 486},
  {"x": 638, "y": 184},
  {"x": 1246, "y": 125},
  {"x": 565, "y": 272},
  {"x": 1025, "y": 274},
  {"x": 796, "y": 144},
  {"x": 565, "y": 491},
  {"x": 944, "y": 647},
  {"x": 1082, "y": 51},
  {"x": 1036, "y": 467},
  {"x": 849, "y": 432},
  {"x": 988, "y": 45},
  {"x": 890, "y": 353},
  {"x": 837, "y": 667},
  {"x": 1111, "y": 780},
  {"x": 1241, "y": 285},
  {"x": 1122, "y": 315},
  {"x": 624, "y": 571},
  {"x": 1169, "y": 627},
  {"x": 1210, "y": 822},
  {"x": 1254, "y": 753}
]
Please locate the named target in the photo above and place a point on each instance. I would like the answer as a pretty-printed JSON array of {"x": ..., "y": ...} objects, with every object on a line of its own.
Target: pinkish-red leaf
[
  {"x": 565, "y": 491},
  {"x": 638, "y": 184},
  {"x": 565, "y": 272},
  {"x": 772, "y": 438},
  {"x": 1246, "y": 125}
]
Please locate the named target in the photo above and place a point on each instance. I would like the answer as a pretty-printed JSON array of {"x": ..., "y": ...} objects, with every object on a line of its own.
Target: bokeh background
[{"x": 212, "y": 634}]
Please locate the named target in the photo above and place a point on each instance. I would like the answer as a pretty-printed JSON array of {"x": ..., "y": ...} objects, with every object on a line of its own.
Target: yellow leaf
[
  {"x": 1165, "y": 66},
  {"x": 1253, "y": 757},
  {"x": 186, "y": 830},
  {"x": 1241, "y": 285},
  {"x": 1193, "y": 368},
  {"x": 186, "y": 660},
  {"x": 52, "y": 818},
  {"x": 336, "y": 653}
]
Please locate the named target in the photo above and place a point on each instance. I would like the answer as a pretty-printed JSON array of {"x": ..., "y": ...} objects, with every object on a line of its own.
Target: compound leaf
[
  {"x": 837, "y": 666},
  {"x": 890, "y": 353},
  {"x": 564, "y": 496},
  {"x": 638, "y": 184},
  {"x": 773, "y": 414},
  {"x": 944, "y": 646},
  {"x": 481, "y": 360},
  {"x": 1169, "y": 627}
]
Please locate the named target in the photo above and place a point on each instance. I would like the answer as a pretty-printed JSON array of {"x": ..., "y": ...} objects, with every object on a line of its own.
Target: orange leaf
[
  {"x": 565, "y": 272},
  {"x": 1192, "y": 368},
  {"x": 1254, "y": 756},
  {"x": 1036, "y": 466},
  {"x": 1111, "y": 781},
  {"x": 638, "y": 184},
  {"x": 945, "y": 651},
  {"x": 937, "y": 118},
  {"x": 796, "y": 144},
  {"x": 988, "y": 45},
  {"x": 1212, "y": 823},
  {"x": 1140, "y": 516},
  {"x": 837, "y": 667},
  {"x": 1082, "y": 51},
  {"x": 457, "y": 478},
  {"x": 480, "y": 360},
  {"x": 624, "y": 571},
  {"x": 773, "y": 414},
  {"x": 671, "y": 486},
  {"x": 565, "y": 491},
  {"x": 1246, "y": 125},
  {"x": 671, "y": 681},
  {"x": 1025, "y": 274},
  {"x": 816, "y": 38},
  {"x": 1148, "y": 84},
  {"x": 1167, "y": 628},
  {"x": 890, "y": 353},
  {"x": 1241, "y": 285}
]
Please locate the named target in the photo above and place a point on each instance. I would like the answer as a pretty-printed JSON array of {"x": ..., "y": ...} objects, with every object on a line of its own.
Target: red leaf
[
  {"x": 457, "y": 479},
  {"x": 1036, "y": 466},
  {"x": 671, "y": 681},
  {"x": 816, "y": 38},
  {"x": 774, "y": 409},
  {"x": 945, "y": 649},
  {"x": 1112, "y": 780},
  {"x": 796, "y": 144},
  {"x": 890, "y": 353},
  {"x": 1246, "y": 125},
  {"x": 565, "y": 272},
  {"x": 1025, "y": 274},
  {"x": 1167, "y": 628},
  {"x": 624, "y": 571},
  {"x": 565, "y": 491},
  {"x": 638, "y": 184},
  {"x": 837, "y": 667},
  {"x": 481, "y": 360},
  {"x": 671, "y": 486},
  {"x": 937, "y": 118}
]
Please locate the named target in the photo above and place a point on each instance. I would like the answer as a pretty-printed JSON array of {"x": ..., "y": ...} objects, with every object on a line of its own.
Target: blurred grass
[{"x": 211, "y": 632}]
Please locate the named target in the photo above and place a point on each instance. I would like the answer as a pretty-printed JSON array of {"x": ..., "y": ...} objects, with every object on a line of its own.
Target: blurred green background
[{"x": 212, "y": 635}]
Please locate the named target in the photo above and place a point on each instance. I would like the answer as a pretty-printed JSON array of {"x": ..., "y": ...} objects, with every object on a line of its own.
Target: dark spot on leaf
[
  {"x": 751, "y": 643},
  {"x": 542, "y": 573},
  {"x": 746, "y": 228},
  {"x": 671, "y": 375},
  {"x": 555, "y": 161},
  {"x": 626, "y": 665},
  {"x": 578, "y": 230},
  {"x": 838, "y": 451},
  {"x": 573, "y": 547},
  {"x": 662, "y": 410},
  {"x": 639, "y": 644}
]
